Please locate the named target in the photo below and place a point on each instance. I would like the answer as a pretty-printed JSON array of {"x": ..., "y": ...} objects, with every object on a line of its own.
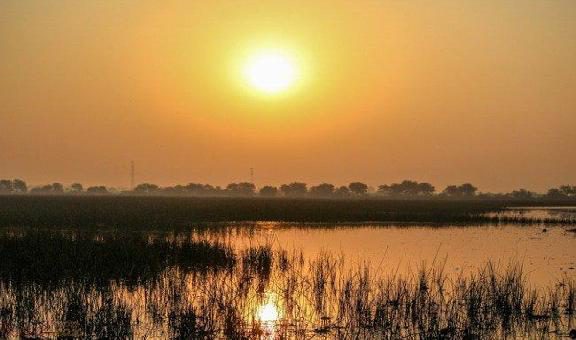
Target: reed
[{"x": 50, "y": 257}]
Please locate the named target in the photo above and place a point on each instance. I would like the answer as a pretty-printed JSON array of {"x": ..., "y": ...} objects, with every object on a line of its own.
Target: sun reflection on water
[{"x": 268, "y": 314}]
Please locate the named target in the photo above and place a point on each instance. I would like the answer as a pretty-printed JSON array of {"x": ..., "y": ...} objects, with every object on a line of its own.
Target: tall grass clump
[{"x": 45, "y": 256}]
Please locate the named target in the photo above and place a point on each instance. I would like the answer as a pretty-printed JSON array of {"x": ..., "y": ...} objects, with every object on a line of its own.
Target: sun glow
[
  {"x": 268, "y": 315},
  {"x": 271, "y": 72},
  {"x": 268, "y": 312}
]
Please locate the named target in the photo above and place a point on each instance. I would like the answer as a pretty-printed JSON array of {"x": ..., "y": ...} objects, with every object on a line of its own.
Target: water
[
  {"x": 547, "y": 256},
  {"x": 554, "y": 213},
  {"x": 300, "y": 281}
]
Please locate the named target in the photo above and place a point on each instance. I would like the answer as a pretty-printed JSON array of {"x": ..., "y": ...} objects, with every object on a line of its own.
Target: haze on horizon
[{"x": 443, "y": 91}]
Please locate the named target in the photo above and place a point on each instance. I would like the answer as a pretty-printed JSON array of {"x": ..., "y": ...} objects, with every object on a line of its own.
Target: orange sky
[{"x": 439, "y": 91}]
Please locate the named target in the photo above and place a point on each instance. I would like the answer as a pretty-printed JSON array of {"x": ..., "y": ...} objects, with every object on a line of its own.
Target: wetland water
[
  {"x": 278, "y": 280},
  {"x": 546, "y": 256}
]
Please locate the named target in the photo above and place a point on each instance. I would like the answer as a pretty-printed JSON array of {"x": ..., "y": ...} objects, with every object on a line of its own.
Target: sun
[{"x": 270, "y": 72}]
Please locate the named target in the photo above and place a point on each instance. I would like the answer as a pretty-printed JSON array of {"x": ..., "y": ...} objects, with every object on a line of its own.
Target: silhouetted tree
[
  {"x": 407, "y": 188},
  {"x": 568, "y": 190},
  {"x": 241, "y": 189},
  {"x": 42, "y": 190},
  {"x": 13, "y": 186},
  {"x": 464, "y": 190},
  {"x": 100, "y": 189},
  {"x": 54, "y": 188},
  {"x": 385, "y": 190},
  {"x": 491, "y": 196},
  {"x": 177, "y": 189},
  {"x": 76, "y": 188},
  {"x": 6, "y": 186},
  {"x": 426, "y": 189},
  {"x": 522, "y": 194},
  {"x": 198, "y": 189},
  {"x": 358, "y": 188},
  {"x": 322, "y": 190},
  {"x": 295, "y": 189},
  {"x": 451, "y": 190},
  {"x": 19, "y": 185},
  {"x": 146, "y": 188},
  {"x": 57, "y": 188},
  {"x": 342, "y": 192},
  {"x": 468, "y": 189},
  {"x": 555, "y": 193},
  {"x": 268, "y": 191}
]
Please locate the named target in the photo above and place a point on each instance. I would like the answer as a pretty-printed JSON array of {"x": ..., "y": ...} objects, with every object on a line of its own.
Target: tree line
[{"x": 406, "y": 189}]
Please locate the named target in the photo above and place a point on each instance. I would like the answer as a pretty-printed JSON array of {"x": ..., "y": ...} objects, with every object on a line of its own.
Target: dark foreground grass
[
  {"x": 173, "y": 212},
  {"x": 51, "y": 257}
]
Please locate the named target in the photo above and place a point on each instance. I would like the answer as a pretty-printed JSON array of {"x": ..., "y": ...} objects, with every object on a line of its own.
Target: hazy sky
[{"x": 440, "y": 91}]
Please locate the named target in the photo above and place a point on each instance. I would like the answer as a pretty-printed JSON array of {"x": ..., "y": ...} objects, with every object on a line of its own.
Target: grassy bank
[{"x": 169, "y": 212}]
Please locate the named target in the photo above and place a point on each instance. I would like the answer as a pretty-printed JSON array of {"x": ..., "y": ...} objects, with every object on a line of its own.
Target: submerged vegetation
[{"x": 266, "y": 292}]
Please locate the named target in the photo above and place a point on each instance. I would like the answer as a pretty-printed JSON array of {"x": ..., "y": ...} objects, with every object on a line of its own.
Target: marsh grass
[
  {"x": 319, "y": 296},
  {"x": 49, "y": 257},
  {"x": 171, "y": 213}
]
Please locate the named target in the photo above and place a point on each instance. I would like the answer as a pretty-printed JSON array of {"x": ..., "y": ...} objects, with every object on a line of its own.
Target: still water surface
[{"x": 547, "y": 256}]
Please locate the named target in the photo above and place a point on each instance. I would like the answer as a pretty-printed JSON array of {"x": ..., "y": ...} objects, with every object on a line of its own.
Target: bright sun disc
[{"x": 270, "y": 72}]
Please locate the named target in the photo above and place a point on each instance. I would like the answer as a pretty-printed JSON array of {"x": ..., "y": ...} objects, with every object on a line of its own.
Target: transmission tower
[{"x": 132, "y": 171}]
